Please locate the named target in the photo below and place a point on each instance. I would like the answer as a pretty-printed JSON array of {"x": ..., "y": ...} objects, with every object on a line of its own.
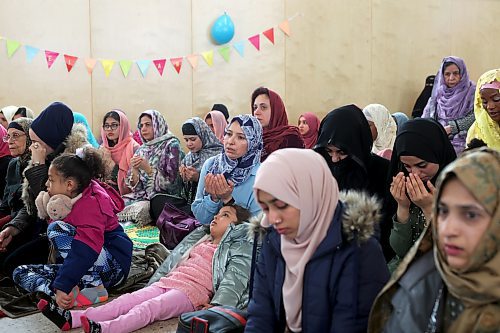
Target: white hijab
[{"x": 385, "y": 124}]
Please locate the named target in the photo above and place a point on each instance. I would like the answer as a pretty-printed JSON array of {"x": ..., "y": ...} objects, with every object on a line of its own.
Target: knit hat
[
  {"x": 54, "y": 124},
  {"x": 222, "y": 108}
]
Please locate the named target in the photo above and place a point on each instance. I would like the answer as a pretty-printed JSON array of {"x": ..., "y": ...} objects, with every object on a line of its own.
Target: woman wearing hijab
[
  {"x": 5, "y": 157},
  {"x": 382, "y": 126},
  {"x": 118, "y": 147},
  {"x": 25, "y": 112},
  {"x": 423, "y": 98},
  {"x": 421, "y": 152},
  {"x": 228, "y": 177},
  {"x": 449, "y": 281},
  {"x": 487, "y": 110},
  {"x": 267, "y": 106},
  {"x": 452, "y": 101},
  {"x": 320, "y": 268},
  {"x": 217, "y": 123},
  {"x": 308, "y": 128},
  {"x": 7, "y": 114},
  {"x": 81, "y": 119}
]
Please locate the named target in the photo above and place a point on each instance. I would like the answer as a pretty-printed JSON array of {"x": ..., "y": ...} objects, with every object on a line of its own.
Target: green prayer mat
[{"x": 142, "y": 236}]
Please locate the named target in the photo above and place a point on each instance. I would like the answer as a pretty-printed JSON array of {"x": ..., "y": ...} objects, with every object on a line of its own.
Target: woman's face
[
  {"x": 17, "y": 141},
  {"x": 420, "y": 168},
  {"x": 235, "y": 141},
  {"x": 193, "y": 143},
  {"x": 3, "y": 120},
  {"x": 111, "y": 127},
  {"x": 146, "y": 127},
  {"x": 373, "y": 129},
  {"x": 283, "y": 217},
  {"x": 335, "y": 153},
  {"x": 210, "y": 123},
  {"x": 303, "y": 126},
  {"x": 36, "y": 140},
  {"x": 461, "y": 223},
  {"x": 262, "y": 109},
  {"x": 491, "y": 102},
  {"x": 451, "y": 75}
]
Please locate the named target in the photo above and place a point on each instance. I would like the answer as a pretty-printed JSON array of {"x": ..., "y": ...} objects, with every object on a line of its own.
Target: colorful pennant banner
[{"x": 126, "y": 65}]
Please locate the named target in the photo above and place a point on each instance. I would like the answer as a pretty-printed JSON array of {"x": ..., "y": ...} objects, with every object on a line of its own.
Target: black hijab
[
  {"x": 347, "y": 129},
  {"x": 423, "y": 98},
  {"x": 425, "y": 139}
]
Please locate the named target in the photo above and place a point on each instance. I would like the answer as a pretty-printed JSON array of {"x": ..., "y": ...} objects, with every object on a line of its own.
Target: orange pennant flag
[
  {"x": 269, "y": 34},
  {"x": 193, "y": 60},
  {"x": 255, "y": 40},
  {"x": 70, "y": 61},
  {"x": 90, "y": 64},
  {"x": 177, "y": 63},
  {"x": 285, "y": 27}
]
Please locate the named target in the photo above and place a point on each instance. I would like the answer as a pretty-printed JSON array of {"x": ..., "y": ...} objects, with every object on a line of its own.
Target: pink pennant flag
[
  {"x": 177, "y": 63},
  {"x": 269, "y": 34},
  {"x": 70, "y": 61},
  {"x": 160, "y": 65},
  {"x": 193, "y": 60},
  {"x": 51, "y": 56},
  {"x": 285, "y": 27},
  {"x": 90, "y": 64},
  {"x": 255, "y": 40}
]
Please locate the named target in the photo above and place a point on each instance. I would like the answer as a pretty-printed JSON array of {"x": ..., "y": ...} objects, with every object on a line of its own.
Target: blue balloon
[{"x": 222, "y": 30}]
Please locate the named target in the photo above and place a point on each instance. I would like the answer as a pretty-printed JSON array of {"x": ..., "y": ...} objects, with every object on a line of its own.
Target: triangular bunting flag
[
  {"x": 107, "y": 64},
  {"x": 51, "y": 56},
  {"x": 225, "y": 51},
  {"x": 143, "y": 66},
  {"x": 209, "y": 57},
  {"x": 12, "y": 47},
  {"x": 193, "y": 60},
  {"x": 90, "y": 64},
  {"x": 255, "y": 40},
  {"x": 285, "y": 27},
  {"x": 125, "y": 65},
  {"x": 269, "y": 34},
  {"x": 240, "y": 47},
  {"x": 160, "y": 65},
  {"x": 70, "y": 61},
  {"x": 177, "y": 63},
  {"x": 31, "y": 52}
]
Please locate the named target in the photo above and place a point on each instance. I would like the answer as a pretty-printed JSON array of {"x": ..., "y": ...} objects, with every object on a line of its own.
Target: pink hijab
[
  {"x": 309, "y": 187},
  {"x": 123, "y": 151},
  {"x": 311, "y": 136},
  {"x": 219, "y": 122},
  {"x": 4, "y": 146}
]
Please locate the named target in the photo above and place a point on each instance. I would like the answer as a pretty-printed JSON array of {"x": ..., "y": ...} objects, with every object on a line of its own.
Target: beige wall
[{"x": 340, "y": 52}]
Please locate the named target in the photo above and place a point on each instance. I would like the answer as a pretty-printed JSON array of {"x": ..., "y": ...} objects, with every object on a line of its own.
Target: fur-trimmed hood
[
  {"x": 76, "y": 139},
  {"x": 361, "y": 214}
]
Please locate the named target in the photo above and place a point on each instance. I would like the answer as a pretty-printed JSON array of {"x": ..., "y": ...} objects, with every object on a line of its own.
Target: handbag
[{"x": 174, "y": 224}]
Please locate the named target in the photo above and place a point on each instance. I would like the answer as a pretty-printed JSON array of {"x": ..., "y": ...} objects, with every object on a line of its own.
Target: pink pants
[{"x": 130, "y": 312}]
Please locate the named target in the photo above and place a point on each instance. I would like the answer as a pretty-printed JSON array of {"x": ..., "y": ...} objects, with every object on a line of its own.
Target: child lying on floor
[{"x": 183, "y": 283}]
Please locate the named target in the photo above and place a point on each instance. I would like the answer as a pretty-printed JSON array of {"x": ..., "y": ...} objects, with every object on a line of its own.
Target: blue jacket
[
  {"x": 341, "y": 279},
  {"x": 204, "y": 208}
]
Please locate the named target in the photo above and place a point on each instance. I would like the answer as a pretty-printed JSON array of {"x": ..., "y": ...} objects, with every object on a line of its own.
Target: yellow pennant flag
[
  {"x": 125, "y": 65},
  {"x": 107, "y": 64},
  {"x": 12, "y": 46},
  {"x": 209, "y": 57}
]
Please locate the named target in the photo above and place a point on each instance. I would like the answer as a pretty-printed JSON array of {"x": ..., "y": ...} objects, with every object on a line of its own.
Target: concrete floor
[{"x": 37, "y": 323}]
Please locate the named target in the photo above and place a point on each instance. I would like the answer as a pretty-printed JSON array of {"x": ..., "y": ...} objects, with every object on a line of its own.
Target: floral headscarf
[
  {"x": 385, "y": 124},
  {"x": 23, "y": 124},
  {"x": 211, "y": 146}
]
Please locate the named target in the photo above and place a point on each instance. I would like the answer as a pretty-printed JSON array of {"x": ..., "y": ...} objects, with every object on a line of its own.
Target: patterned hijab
[
  {"x": 153, "y": 150},
  {"x": 239, "y": 170},
  {"x": 211, "y": 146},
  {"x": 485, "y": 128},
  {"x": 311, "y": 136},
  {"x": 478, "y": 284},
  {"x": 309, "y": 187},
  {"x": 385, "y": 124},
  {"x": 23, "y": 124},
  {"x": 219, "y": 122}
]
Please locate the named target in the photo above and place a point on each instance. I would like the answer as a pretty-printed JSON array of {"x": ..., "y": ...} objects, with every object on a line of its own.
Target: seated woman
[
  {"x": 81, "y": 119},
  {"x": 487, "y": 110},
  {"x": 449, "y": 281},
  {"x": 154, "y": 168},
  {"x": 7, "y": 114},
  {"x": 268, "y": 108},
  {"x": 320, "y": 268},
  {"x": 308, "y": 128},
  {"x": 184, "y": 282},
  {"x": 382, "y": 126},
  {"x": 229, "y": 176},
  {"x": 118, "y": 147},
  {"x": 423, "y": 98},
  {"x": 421, "y": 151},
  {"x": 217, "y": 123},
  {"x": 5, "y": 157},
  {"x": 452, "y": 101},
  {"x": 25, "y": 112}
]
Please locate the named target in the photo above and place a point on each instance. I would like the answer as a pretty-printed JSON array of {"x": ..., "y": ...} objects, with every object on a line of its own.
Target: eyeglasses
[
  {"x": 14, "y": 137},
  {"x": 108, "y": 127}
]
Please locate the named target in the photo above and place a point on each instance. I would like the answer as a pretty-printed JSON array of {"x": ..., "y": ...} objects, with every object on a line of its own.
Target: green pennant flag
[
  {"x": 12, "y": 47},
  {"x": 125, "y": 65},
  {"x": 225, "y": 51}
]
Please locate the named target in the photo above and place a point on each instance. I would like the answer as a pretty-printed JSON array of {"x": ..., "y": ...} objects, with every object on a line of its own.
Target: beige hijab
[
  {"x": 478, "y": 284},
  {"x": 385, "y": 124},
  {"x": 302, "y": 179}
]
